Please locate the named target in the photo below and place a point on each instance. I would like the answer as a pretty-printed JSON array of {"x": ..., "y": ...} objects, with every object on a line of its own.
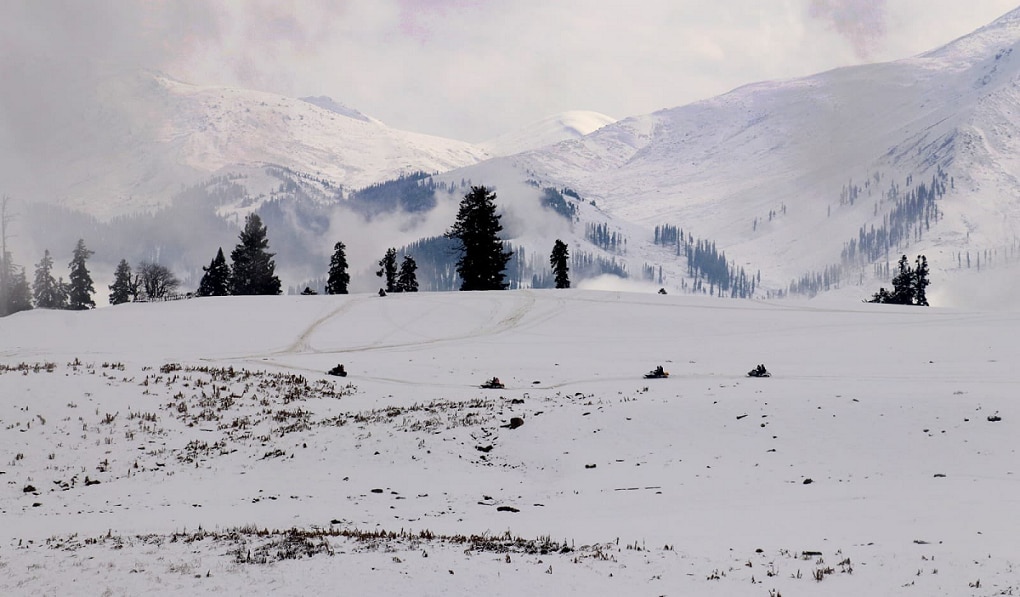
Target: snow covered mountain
[
  {"x": 184, "y": 134},
  {"x": 555, "y": 128},
  {"x": 767, "y": 171},
  {"x": 806, "y": 185}
]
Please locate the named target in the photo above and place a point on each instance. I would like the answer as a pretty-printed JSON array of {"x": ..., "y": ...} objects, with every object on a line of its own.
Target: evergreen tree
[
  {"x": 19, "y": 294},
  {"x": 15, "y": 294},
  {"x": 908, "y": 286},
  {"x": 903, "y": 284},
  {"x": 482, "y": 258},
  {"x": 338, "y": 279},
  {"x": 216, "y": 279},
  {"x": 407, "y": 279},
  {"x": 124, "y": 288},
  {"x": 252, "y": 269},
  {"x": 46, "y": 291},
  {"x": 921, "y": 281},
  {"x": 80, "y": 288},
  {"x": 558, "y": 260},
  {"x": 388, "y": 270}
]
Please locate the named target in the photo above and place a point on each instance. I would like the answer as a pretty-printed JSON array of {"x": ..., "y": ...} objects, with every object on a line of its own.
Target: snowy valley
[{"x": 200, "y": 447}]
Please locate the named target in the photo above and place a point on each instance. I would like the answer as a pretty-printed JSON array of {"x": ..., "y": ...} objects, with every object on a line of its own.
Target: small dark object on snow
[
  {"x": 759, "y": 371},
  {"x": 29, "y": 488},
  {"x": 506, "y": 509},
  {"x": 377, "y": 490},
  {"x": 808, "y": 481},
  {"x": 994, "y": 418},
  {"x": 514, "y": 423},
  {"x": 657, "y": 373},
  {"x": 382, "y": 292},
  {"x": 486, "y": 449},
  {"x": 590, "y": 466},
  {"x": 493, "y": 384},
  {"x": 308, "y": 291},
  {"x": 662, "y": 291},
  {"x": 339, "y": 371}
]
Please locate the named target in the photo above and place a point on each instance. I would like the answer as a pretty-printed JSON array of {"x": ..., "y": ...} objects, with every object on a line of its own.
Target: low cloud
[{"x": 860, "y": 22}]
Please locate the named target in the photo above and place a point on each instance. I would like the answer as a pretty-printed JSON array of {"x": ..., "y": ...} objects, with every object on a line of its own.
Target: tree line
[{"x": 475, "y": 237}]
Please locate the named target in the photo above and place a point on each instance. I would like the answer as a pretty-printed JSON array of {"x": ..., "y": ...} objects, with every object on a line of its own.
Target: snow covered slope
[
  {"x": 199, "y": 447},
  {"x": 762, "y": 170},
  {"x": 556, "y": 128},
  {"x": 186, "y": 133}
]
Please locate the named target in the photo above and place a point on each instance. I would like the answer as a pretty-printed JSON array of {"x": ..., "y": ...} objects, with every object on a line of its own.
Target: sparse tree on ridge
[
  {"x": 388, "y": 269},
  {"x": 124, "y": 288},
  {"x": 253, "y": 269},
  {"x": 339, "y": 279},
  {"x": 80, "y": 288},
  {"x": 558, "y": 261},
  {"x": 46, "y": 291},
  {"x": 482, "y": 256},
  {"x": 216, "y": 279},
  {"x": 407, "y": 279},
  {"x": 156, "y": 281}
]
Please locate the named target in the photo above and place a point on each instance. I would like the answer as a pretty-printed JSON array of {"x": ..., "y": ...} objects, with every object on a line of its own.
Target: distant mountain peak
[
  {"x": 548, "y": 131},
  {"x": 327, "y": 103}
]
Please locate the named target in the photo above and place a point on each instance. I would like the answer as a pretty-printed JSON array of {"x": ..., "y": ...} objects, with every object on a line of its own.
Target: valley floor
[{"x": 199, "y": 447}]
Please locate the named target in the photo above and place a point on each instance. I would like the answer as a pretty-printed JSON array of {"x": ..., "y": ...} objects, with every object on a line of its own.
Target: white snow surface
[
  {"x": 548, "y": 131},
  {"x": 191, "y": 132},
  {"x": 228, "y": 462}
]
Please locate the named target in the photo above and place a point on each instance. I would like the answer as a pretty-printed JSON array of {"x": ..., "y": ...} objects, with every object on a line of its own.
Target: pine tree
[
  {"x": 388, "y": 270},
  {"x": 920, "y": 281},
  {"x": 482, "y": 258},
  {"x": 80, "y": 288},
  {"x": 903, "y": 284},
  {"x": 216, "y": 279},
  {"x": 19, "y": 295},
  {"x": 558, "y": 260},
  {"x": 46, "y": 291},
  {"x": 124, "y": 288},
  {"x": 252, "y": 269},
  {"x": 338, "y": 279},
  {"x": 908, "y": 286},
  {"x": 407, "y": 279}
]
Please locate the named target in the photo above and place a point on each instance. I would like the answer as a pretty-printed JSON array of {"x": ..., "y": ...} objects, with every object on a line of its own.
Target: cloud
[{"x": 861, "y": 22}]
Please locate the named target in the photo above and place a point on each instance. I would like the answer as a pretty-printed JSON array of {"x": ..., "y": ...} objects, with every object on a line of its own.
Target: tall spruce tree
[
  {"x": 216, "y": 279},
  {"x": 388, "y": 269},
  {"x": 46, "y": 291},
  {"x": 338, "y": 279},
  {"x": 253, "y": 269},
  {"x": 124, "y": 289},
  {"x": 920, "y": 281},
  {"x": 558, "y": 261},
  {"x": 903, "y": 284},
  {"x": 482, "y": 257},
  {"x": 80, "y": 288},
  {"x": 19, "y": 294},
  {"x": 407, "y": 279}
]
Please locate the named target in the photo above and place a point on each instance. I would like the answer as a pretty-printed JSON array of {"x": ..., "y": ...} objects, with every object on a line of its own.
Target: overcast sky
[{"x": 466, "y": 69}]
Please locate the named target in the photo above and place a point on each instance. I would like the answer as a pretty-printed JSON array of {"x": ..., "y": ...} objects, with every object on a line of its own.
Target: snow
[
  {"x": 548, "y": 131},
  {"x": 207, "y": 421},
  {"x": 192, "y": 132}
]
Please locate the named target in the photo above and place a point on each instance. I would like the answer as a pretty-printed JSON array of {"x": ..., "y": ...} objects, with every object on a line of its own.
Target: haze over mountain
[{"x": 808, "y": 185}]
